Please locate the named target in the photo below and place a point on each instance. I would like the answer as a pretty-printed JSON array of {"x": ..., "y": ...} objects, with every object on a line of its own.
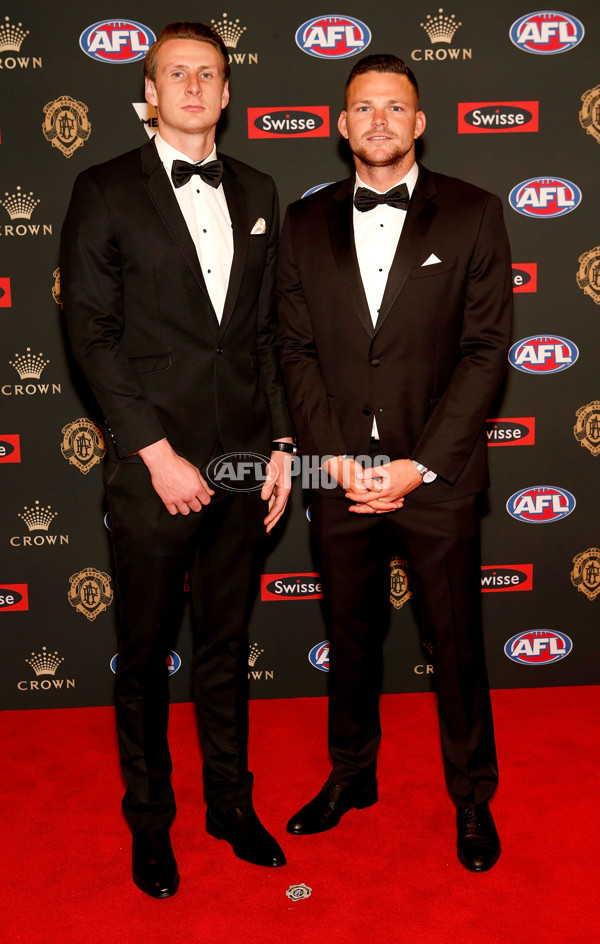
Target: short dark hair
[
  {"x": 382, "y": 62},
  {"x": 185, "y": 30}
]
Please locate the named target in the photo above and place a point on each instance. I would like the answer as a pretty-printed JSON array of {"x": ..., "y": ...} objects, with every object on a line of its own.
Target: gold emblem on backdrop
[
  {"x": 588, "y": 275},
  {"x": 90, "y": 592},
  {"x": 66, "y": 124},
  {"x": 586, "y": 572},
  {"x": 589, "y": 116},
  {"x": 400, "y": 591},
  {"x": 56, "y": 287},
  {"x": 83, "y": 444},
  {"x": 587, "y": 427}
]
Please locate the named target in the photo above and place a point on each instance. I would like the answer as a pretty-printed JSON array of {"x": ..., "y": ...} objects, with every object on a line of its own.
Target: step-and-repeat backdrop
[{"x": 512, "y": 97}]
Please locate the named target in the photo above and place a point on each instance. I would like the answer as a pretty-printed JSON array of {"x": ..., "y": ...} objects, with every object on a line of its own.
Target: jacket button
[
  {"x": 219, "y": 350},
  {"x": 375, "y": 362},
  {"x": 366, "y": 411}
]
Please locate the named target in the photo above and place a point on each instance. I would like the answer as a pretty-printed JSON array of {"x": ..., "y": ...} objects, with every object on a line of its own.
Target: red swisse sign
[
  {"x": 497, "y": 117},
  {"x": 501, "y": 578},
  {"x": 511, "y": 431},
  {"x": 524, "y": 277},
  {"x": 291, "y": 587},
  {"x": 10, "y": 447},
  {"x": 311, "y": 121},
  {"x": 13, "y": 596}
]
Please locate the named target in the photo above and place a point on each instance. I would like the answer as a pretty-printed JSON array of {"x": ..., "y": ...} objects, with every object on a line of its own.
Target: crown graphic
[
  {"x": 11, "y": 36},
  {"x": 229, "y": 31},
  {"x": 38, "y": 518},
  {"x": 19, "y": 205},
  {"x": 254, "y": 653},
  {"x": 45, "y": 663},
  {"x": 29, "y": 366},
  {"x": 440, "y": 28}
]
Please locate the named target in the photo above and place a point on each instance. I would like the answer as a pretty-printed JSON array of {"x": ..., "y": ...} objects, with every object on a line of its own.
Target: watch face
[{"x": 429, "y": 476}]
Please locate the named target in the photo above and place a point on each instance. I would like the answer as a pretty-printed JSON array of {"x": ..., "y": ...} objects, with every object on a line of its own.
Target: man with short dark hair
[
  {"x": 395, "y": 309},
  {"x": 168, "y": 258}
]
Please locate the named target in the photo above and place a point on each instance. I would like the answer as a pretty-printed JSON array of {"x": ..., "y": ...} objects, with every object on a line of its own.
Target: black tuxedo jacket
[
  {"x": 141, "y": 323},
  {"x": 429, "y": 369}
]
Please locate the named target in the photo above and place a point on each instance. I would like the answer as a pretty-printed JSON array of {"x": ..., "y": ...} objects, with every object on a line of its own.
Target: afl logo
[
  {"x": 116, "y": 41},
  {"x": 547, "y": 32},
  {"x": 545, "y": 197},
  {"x": 541, "y": 504},
  {"x": 319, "y": 656},
  {"x": 538, "y": 647},
  {"x": 333, "y": 37},
  {"x": 173, "y": 663},
  {"x": 543, "y": 354}
]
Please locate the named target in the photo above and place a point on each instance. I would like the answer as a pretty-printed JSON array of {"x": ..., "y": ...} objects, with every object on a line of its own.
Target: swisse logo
[
  {"x": 506, "y": 578},
  {"x": 238, "y": 471},
  {"x": 290, "y": 587},
  {"x": 10, "y": 447},
  {"x": 497, "y": 117},
  {"x": 524, "y": 277},
  {"x": 538, "y": 647},
  {"x": 116, "y": 41},
  {"x": 546, "y": 32},
  {"x": 5, "y": 294},
  {"x": 545, "y": 197},
  {"x": 541, "y": 504},
  {"x": 13, "y": 596},
  {"x": 301, "y": 122},
  {"x": 513, "y": 431},
  {"x": 319, "y": 656},
  {"x": 543, "y": 354},
  {"x": 173, "y": 663},
  {"x": 333, "y": 37}
]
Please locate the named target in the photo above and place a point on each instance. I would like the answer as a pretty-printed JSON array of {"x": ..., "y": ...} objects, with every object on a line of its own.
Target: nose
[
  {"x": 193, "y": 85},
  {"x": 379, "y": 117}
]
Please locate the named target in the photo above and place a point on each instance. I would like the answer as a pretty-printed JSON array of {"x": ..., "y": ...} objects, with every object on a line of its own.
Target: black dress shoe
[
  {"x": 246, "y": 834},
  {"x": 477, "y": 844},
  {"x": 154, "y": 865},
  {"x": 328, "y": 807}
]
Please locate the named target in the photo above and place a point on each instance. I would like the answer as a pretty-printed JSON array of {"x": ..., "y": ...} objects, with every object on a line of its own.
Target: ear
[
  {"x": 225, "y": 94},
  {"x": 342, "y": 128},
  {"x": 150, "y": 92},
  {"x": 420, "y": 124}
]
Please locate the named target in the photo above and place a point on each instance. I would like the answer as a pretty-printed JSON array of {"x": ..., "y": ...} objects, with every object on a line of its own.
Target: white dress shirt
[
  {"x": 205, "y": 211},
  {"x": 376, "y": 235}
]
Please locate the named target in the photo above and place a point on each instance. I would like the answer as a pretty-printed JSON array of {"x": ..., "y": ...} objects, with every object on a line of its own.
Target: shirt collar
[
  {"x": 168, "y": 154},
  {"x": 409, "y": 179}
]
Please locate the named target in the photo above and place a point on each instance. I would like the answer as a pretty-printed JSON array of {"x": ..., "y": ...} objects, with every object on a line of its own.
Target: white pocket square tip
[
  {"x": 259, "y": 227},
  {"x": 431, "y": 260}
]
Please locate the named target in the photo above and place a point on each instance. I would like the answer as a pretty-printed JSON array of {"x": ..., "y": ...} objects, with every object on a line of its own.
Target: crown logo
[
  {"x": 29, "y": 366},
  {"x": 19, "y": 205},
  {"x": 45, "y": 663},
  {"x": 441, "y": 28},
  {"x": 229, "y": 31},
  {"x": 38, "y": 518},
  {"x": 254, "y": 653},
  {"x": 11, "y": 36}
]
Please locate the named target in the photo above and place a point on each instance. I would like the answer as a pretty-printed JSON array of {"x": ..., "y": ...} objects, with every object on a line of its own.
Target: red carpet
[{"x": 388, "y": 874}]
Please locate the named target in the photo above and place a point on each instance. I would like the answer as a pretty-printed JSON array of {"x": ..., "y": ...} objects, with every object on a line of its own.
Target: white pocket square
[
  {"x": 431, "y": 260},
  {"x": 259, "y": 228}
]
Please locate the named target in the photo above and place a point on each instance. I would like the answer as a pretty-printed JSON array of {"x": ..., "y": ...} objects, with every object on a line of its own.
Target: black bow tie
[
  {"x": 365, "y": 200},
  {"x": 210, "y": 173}
]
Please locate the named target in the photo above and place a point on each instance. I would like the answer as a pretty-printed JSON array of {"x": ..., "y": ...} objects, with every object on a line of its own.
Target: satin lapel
[
  {"x": 236, "y": 204},
  {"x": 420, "y": 215},
  {"x": 160, "y": 191},
  {"x": 341, "y": 234}
]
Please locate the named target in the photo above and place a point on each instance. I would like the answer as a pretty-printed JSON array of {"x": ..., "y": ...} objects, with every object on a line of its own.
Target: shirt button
[
  {"x": 375, "y": 362},
  {"x": 219, "y": 350},
  {"x": 366, "y": 411}
]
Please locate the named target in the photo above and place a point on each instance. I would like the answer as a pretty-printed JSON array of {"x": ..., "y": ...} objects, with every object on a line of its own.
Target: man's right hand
[
  {"x": 350, "y": 475},
  {"x": 176, "y": 481}
]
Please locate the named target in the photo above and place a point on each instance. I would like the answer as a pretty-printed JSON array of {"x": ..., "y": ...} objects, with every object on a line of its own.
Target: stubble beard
[{"x": 395, "y": 156}]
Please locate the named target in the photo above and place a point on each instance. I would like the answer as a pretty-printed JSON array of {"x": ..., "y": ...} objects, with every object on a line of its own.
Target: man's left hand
[
  {"x": 277, "y": 487},
  {"x": 386, "y": 485}
]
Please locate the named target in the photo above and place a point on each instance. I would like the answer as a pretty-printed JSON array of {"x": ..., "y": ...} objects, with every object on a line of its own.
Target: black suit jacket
[
  {"x": 430, "y": 368},
  {"x": 141, "y": 323}
]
